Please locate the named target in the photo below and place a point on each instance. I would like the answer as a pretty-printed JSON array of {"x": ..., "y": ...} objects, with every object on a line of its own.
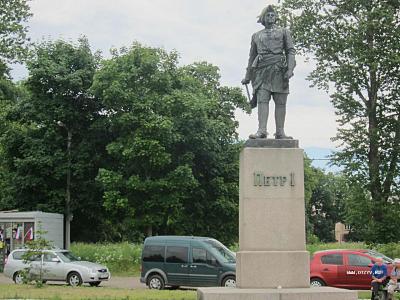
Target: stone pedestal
[
  {"x": 271, "y": 218},
  {"x": 272, "y": 262},
  {"x": 324, "y": 293}
]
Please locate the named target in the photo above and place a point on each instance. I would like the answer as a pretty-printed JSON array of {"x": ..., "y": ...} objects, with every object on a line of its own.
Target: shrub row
[
  {"x": 391, "y": 249},
  {"x": 124, "y": 258},
  {"x": 120, "y": 258}
]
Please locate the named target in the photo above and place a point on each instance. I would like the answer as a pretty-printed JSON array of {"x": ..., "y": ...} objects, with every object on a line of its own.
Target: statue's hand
[
  {"x": 288, "y": 74},
  {"x": 245, "y": 81}
]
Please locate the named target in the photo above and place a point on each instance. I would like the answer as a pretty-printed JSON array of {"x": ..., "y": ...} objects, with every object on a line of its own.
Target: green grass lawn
[
  {"x": 364, "y": 295},
  {"x": 13, "y": 291},
  {"x": 60, "y": 292}
]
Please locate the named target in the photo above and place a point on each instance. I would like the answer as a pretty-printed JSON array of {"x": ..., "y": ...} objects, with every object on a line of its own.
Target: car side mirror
[
  {"x": 55, "y": 259},
  {"x": 79, "y": 258}
]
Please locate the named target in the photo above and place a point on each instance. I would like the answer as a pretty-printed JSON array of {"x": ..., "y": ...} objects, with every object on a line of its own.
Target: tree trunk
[
  {"x": 373, "y": 136},
  {"x": 149, "y": 230}
]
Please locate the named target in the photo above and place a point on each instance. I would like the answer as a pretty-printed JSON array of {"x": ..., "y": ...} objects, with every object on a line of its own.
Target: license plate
[{"x": 103, "y": 277}]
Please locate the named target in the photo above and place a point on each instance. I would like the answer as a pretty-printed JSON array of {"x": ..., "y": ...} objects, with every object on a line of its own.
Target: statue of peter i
[{"x": 271, "y": 64}]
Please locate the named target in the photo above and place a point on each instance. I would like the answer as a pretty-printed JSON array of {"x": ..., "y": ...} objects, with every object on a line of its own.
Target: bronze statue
[{"x": 271, "y": 64}]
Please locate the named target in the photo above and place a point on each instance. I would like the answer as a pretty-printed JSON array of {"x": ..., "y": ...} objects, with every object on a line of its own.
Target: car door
[
  {"x": 177, "y": 264},
  {"x": 204, "y": 268},
  {"x": 331, "y": 266},
  {"x": 53, "y": 270},
  {"x": 35, "y": 265},
  {"x": 358, "y": 270}
]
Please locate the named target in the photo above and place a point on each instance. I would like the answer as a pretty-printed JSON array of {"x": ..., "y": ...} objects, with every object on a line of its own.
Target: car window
[
  {"x": 332, "y": 259},
  {"x": 47, "y": 257},
  {"x": 199, "y": 256},
  {"x": 26, "y": 256},
  {"x": 202, "y": 256},
  {"x": 211, "y": 260},
  {"x": 177, "y": 254},
  {"x": 386, "y": 259},
  {"x": 17, "y": 255},
  {"x": 224, "y": 253},
  {"x": 67, "y": 256},
  {"x": 153, "y": 253},
  {"x": 359, "y": 260}
]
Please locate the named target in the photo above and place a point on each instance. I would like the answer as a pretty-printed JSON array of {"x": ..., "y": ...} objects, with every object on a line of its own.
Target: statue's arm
[
  {"x": 290, "y": 52},
  {"x": 252, "y": 56}
]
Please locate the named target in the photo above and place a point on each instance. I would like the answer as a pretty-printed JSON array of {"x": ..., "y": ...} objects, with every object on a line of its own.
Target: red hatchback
[{"x": 350, "y": 269}]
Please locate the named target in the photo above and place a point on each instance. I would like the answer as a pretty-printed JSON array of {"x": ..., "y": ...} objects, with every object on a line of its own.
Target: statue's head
[{"x": 268, "y": 16}]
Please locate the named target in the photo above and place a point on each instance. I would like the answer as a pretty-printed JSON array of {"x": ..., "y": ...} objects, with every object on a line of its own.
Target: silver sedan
[{"x": 55, "y": 265}]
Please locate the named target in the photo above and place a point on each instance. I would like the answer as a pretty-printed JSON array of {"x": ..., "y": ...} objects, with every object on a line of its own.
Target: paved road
[{"x": 117, "y": 282}]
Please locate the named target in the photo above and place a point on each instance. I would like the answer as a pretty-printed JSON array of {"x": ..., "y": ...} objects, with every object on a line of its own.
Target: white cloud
[{"x": 215, "y": 31}]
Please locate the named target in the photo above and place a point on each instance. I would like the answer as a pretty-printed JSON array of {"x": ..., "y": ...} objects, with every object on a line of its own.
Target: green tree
[
  {"x": 34, "y": 146},
  {"x": 8, "y": 98},
  {"x": 13, "y": 30},
  {"x": 33, "y": 257},
  {"x": 356, "y": 47},
  {"x": 174, "y": 155},
  {"x": 13, "y": 48},
  {"x": 325, "y": 197},
  {"x": 327, "y": 205},
  {"x": 311, "y": 176}
]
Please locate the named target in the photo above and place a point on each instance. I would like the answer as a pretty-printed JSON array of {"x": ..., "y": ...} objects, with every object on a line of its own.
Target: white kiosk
[{"x": 17, "y": 228}]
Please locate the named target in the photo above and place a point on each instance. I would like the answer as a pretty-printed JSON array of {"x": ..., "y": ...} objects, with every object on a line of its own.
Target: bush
[
  {"x": 327, "y": 246},
  {"x": 124, "y": 258},
  {"x": 120, "y": 258},
  {"x": 391, "y": 249},
  {"x": 234, "y": 247}
]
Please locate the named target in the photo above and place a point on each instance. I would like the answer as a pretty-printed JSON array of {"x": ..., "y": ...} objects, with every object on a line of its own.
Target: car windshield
[
  {"x": 67, "y": 256},
  {"x": 227, "y": 255},
  {"x": 386, "y": 259}
]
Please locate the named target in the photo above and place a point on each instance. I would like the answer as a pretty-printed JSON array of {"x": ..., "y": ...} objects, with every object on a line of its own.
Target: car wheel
[
  {"x": 229, "y": 281},
  {"x": 74, "y": 279},
  {"x": 18, "y": 278},
  {"x": 155, "y": 282},
  {"x": 95, "y": 283},
  {"x": 316, "y": 282}
]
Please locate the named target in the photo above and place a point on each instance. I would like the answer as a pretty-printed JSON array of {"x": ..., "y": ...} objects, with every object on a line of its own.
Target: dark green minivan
[{"x": 186, "y": 261}]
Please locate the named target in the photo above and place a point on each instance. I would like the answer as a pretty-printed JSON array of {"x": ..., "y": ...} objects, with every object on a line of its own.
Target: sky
[{"x": 216, "y": 31}]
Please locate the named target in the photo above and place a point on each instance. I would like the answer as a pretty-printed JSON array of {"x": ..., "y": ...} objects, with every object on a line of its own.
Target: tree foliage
[
  {"x": 174, "y": 154},
  {"x": 33, "y": 258},
  {"x": 154, "y": 148},
  {"x": 34, "y": 146},
  {"x": 326, "y": 196},
  {"x": 356, "y": 45},
  {"x": 13, "y": 30}
]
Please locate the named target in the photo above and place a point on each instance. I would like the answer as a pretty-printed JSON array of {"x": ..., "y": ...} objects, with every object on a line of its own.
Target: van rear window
[
  {"x": 176, "y": 254},
  {"x": 154, "y": 253}
]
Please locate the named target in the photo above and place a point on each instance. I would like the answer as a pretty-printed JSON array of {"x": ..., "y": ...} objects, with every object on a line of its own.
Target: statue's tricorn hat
[{"x": 261, "y": 17}]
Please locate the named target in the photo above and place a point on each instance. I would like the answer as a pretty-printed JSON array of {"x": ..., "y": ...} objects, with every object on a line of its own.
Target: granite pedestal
[
  {"x": 272, "y": 262},
  {"x": 324, "y": 293}
]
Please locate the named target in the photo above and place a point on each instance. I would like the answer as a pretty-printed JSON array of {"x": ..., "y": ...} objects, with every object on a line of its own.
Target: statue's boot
[
  {"x": 258, "y": 135},
  {"x": 263, "y": 110},
  {"x": 280, "y": 114}
]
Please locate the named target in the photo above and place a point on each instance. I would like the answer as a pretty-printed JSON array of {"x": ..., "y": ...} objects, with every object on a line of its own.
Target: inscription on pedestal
[{"x": 261, "y": 180}]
